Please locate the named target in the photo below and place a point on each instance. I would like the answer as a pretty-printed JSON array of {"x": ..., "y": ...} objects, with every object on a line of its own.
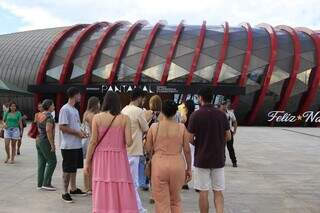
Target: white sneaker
[{"x": 49, "y": 188}]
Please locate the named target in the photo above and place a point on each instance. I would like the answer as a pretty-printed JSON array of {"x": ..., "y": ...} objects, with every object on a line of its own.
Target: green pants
[{"x": 47, "y": 162}]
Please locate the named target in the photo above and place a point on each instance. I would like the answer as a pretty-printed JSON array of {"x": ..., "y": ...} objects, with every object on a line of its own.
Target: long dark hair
[
  {"x": 190, "y": 107},
  {"x": 12, "y": 103},
  {"x": 93, "y": 104},
  {"x": 111, "y": 103}
]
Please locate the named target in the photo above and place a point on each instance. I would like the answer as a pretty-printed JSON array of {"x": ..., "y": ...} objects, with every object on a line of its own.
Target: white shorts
[{"x": 209, "y": 179}]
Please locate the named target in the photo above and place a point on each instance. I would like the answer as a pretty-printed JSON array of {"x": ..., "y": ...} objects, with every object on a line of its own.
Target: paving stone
[{"x": 278, "y": 172}]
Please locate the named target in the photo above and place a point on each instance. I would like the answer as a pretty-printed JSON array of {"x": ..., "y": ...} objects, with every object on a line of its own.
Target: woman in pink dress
[{"x": 112, "y": 186}]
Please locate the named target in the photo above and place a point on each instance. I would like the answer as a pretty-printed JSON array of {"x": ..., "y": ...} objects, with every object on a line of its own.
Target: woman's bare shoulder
[
  {"x": 99, "y": 116},
  {"x": 86, "y": 114}
]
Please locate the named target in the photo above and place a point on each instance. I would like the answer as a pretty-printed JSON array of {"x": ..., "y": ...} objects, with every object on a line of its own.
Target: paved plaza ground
[{"x": 279, "y": 172}]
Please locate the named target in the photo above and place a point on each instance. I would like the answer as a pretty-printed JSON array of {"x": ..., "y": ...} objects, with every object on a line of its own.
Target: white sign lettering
[{"x": 286, "y": 117}]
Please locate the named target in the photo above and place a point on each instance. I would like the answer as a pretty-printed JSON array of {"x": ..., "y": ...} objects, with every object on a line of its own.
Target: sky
[{"x": 21, "y": 15}]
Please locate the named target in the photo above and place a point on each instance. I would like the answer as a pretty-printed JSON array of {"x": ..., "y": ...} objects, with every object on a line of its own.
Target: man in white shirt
[
  {"x": 139, "y": 127},
  {"x": 225, "y": 106},
  {"x": 70, "y": 135}
]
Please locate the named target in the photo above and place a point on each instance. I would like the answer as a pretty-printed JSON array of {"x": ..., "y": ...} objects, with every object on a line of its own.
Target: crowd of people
[{"x": 122, "y": 150}]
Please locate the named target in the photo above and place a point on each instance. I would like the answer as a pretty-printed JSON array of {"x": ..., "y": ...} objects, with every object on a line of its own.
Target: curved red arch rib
[
  {"x": 197, "y": 52},
  {"x": 173, "y": 47},
  {"x": 146, "y": 52},
  {"x": 49, "y": 53},
  {"x": 223, "y": 53},
  {"x": 94, "y": 54},
  {"x": 245, "y": 66},
  {"x": 267, "y": 77},
  {"x": 310, "y": 95},
  {"x": 66, "y": 69},
  {"x": 55, "y": 43},
  {"x": 136, "y": 26},
  {"x": 289, "y": 83}
]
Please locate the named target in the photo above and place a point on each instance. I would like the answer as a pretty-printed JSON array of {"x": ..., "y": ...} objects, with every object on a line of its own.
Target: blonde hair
[{"x": 155, "y": 103}]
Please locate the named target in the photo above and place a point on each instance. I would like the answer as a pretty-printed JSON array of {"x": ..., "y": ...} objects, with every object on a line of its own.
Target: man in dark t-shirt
[{"x": 211, "y": 130}]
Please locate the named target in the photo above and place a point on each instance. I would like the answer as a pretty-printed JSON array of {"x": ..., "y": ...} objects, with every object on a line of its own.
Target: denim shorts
[{"x": 12, "y": 133}]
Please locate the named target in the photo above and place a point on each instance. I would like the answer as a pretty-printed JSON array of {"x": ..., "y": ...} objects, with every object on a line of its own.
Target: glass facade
[
  {"x": 261, "y": 80},
  {"x": 181, "y": 62}
]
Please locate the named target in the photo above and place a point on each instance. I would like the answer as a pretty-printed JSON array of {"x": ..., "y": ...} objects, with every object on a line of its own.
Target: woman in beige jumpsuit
[{"x": 167, "y": 139}]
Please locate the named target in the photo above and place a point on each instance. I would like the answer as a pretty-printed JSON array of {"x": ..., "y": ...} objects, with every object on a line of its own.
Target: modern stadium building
[{"x": 261, "y": 68}]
